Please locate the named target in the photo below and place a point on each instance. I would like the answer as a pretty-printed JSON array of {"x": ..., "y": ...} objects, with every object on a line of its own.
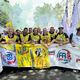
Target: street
[{"x": 32, "y": 74}]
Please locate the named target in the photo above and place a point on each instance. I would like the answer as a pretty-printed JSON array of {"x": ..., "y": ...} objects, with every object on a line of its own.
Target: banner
[
  {"x": 65, "y": 56},
  {"x": 40, "y": 57},
  {"x": 8, "y": 55},
  {"x": 10, "y": 47},
  {"x": 0, "y": 64},
  {"x": 23, "y": 55},
  {"x": 32, "y": 56}
]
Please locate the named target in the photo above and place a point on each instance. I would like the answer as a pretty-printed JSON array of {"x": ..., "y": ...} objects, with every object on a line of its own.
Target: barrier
[
  {"x": 38, "y": 56},
  {"x": 65, "y": 56},
  {"x": 26, "y": 55}
]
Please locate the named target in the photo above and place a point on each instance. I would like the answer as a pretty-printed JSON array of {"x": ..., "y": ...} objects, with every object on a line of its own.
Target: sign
[
  {"x": 40, "y": 56},
  {"x": 65, "y": 56},
  {"x": 8, "y": 58},
  {"x": 23, "y": 56}
]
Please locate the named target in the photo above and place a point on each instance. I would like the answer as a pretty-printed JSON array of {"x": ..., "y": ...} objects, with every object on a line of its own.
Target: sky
[
  {"x": 35, "y": 2},
  {"x": 28, "y": 8}
]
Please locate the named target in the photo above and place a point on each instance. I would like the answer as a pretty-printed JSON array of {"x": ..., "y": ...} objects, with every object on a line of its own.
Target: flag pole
[{"x": 78, "y": 10}]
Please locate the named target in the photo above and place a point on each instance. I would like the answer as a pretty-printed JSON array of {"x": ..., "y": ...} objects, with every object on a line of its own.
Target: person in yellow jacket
[
  {"x": 35, "y": 37},
  {"x": 45, "y": 36},
  {"x": 11, "y": 37},
  {"x": 1, "y": 38},
  {"x": 25, "y": 36},
  {"x": 18, "y": 33},
  {"x": 52, "y": 33},
  {"x": 30, "y": 31},
  {"x": 39, "y": 31},
  {"x": 61, "y": 38}
]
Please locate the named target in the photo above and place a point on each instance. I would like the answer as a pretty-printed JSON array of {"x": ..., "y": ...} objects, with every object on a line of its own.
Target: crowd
[{"x": 38, "y": 36}]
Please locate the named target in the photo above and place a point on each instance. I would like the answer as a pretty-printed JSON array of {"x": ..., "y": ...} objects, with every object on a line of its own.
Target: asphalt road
[{"x": 36, "y": 74}]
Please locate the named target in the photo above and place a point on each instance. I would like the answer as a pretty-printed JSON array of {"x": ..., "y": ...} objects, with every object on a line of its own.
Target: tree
[
  {"x": 59, "y": 10},
  {"x": 48, "y": 14},
  {"x": 6, "y": 1},
  {"x": 16, "y": 15},
  {"x": 3, "y": 18},
  {"x": 43, "y": 15},
  {"x": 4, "y": 12}
]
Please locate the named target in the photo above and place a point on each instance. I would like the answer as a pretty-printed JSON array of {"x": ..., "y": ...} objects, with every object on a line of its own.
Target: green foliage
[
  {"x": 45, "y": 14},
  {"x": 6, "y": 1},
  {"x": 3, "y": 18},
  {"x": 59, "y": 11},
  {"x": 4, "y": 11},
  {"x": 46, "y": 9}
]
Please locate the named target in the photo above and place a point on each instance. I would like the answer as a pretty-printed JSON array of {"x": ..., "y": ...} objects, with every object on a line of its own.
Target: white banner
[
  {"x": 64, "y": 56},
  {"x": 8, "y": 58},
  {"x": 0, "y": 64}
]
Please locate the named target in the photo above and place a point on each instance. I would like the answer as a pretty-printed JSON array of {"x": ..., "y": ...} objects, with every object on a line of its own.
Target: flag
[
  {"x": 23, "y": 55},
  {"x": 75, "y": 17},
  {"x": 65, "y": 19},
  {"x": 78, "y": 1},
  {"x": 9, "y": 24},
  {"x": 78, "y": 8}
]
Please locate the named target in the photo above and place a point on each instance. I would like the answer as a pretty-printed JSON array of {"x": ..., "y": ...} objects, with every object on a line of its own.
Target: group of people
[{"x": 38, "y": 36}]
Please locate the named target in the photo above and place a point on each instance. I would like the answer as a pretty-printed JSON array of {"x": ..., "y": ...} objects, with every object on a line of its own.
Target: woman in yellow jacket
[
  {"x": 61, "y": 38},
  {"x": 25, "y": 36},
  {"x": 35, "y": 37},
  {"x": 11, "y": 37},
  {"x": 52, "y": 33},
  {"x": 45, "y": 36},
  {"x": 1, "y": 39}
]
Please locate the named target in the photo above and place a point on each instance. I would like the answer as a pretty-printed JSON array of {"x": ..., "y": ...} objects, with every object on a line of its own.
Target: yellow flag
[
  {"x": 9, "y": 24},
  {"x": 41, "y": 58},
  {"x": 32, "y": 56},
  {"x": 23, "y": 56},
  {"x": 10, "y": 47}
]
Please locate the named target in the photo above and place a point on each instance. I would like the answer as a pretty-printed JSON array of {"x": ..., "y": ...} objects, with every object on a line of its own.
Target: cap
[{"x": 60, "y": 28}]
